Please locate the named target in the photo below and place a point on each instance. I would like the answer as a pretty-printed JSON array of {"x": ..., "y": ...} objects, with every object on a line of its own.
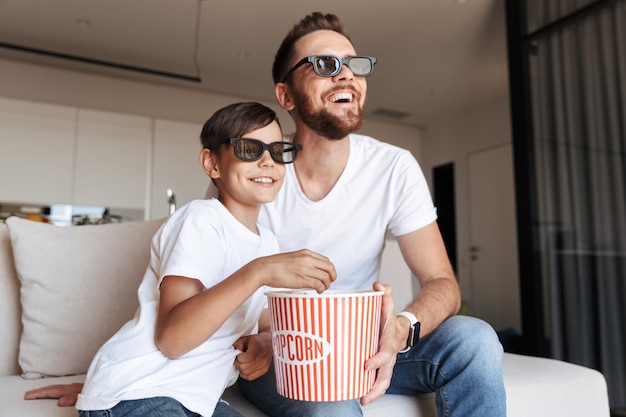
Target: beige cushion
[
  {"x": 78, "y": 287},
  {"x": 10, "y": 325}
]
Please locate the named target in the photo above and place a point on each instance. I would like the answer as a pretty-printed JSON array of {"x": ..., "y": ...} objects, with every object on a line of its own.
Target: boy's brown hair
[{"x": 234, "y": 121}]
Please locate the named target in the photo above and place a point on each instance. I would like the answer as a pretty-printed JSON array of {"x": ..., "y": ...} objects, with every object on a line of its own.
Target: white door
[{"x": 493, "y": 238}]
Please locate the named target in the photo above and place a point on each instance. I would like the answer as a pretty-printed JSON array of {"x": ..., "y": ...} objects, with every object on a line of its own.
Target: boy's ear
[
  {"x": 283, "y": 95},
  {"x": 208, "y": 160}
]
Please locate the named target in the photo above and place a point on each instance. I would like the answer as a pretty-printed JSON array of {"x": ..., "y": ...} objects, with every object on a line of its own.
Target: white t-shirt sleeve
[
  {"x": 192, "y": 247},
  {"x": 413, "y": 204}
]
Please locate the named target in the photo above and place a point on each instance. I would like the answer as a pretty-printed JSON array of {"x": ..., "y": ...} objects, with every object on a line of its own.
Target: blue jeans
[
  {"x": 157, "y": 407},
  {"x": 461, "y": 362}
]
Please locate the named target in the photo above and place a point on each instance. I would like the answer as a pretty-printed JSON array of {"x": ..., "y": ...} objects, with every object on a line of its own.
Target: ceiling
[{"x": 435, "y": 57}]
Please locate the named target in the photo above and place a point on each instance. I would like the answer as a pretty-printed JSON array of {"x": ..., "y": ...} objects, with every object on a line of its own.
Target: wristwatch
[{"x": 414, "y": 330}]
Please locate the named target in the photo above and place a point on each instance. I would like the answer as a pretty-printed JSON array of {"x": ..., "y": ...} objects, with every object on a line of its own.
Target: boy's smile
[{"x": 263, "y": 180}]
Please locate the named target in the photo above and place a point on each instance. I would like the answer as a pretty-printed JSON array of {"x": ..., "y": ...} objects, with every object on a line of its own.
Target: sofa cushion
[
  {"x": 535, "y": 387},
  {"x": 10, "y": 311},
  {"x": 550, "y": 387},
  {"x": 78, "y": 287},
  {"x": 12, "y": 404}
]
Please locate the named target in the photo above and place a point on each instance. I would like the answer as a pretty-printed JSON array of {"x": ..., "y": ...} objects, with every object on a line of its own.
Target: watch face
[
  {"x": 414, "y": 330},
  {"x": 416, "y": 333}
]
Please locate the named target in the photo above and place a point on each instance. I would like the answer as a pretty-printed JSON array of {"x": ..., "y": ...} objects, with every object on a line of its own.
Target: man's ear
[
  {"x": 208, "y": 160},
  {"x": 283, "y": 95}
]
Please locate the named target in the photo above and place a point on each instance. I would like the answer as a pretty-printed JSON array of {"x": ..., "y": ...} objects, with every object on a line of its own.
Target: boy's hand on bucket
[
  {"x": 385, "y": 359},
  {"x": 256, "y": 355},
  {"x": 296, "y": 270}
]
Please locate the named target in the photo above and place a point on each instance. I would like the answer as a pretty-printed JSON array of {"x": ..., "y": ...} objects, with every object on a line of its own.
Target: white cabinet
[
  {"x": 37, "y": 143},
  {"x": 176, "y": 165},
  {"x": 65, "y": 155},
  {"x": 57, "y": 154},
  {"x": 112, "y": 159}
]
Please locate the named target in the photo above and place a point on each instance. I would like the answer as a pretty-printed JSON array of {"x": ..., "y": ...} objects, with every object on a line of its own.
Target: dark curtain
[{"x": 577, "y": 79}]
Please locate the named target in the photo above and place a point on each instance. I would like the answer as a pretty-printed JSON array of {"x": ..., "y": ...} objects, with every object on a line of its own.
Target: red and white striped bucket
[{"x": 321, "y": 342}]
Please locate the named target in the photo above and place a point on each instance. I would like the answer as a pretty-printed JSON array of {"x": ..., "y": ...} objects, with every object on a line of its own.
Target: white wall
[
  {"x": 79, "y": 89},
  {"x": 451, "y": 140}
]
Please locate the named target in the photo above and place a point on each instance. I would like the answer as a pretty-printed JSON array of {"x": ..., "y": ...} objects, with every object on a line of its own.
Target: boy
[{"x": 202, "y": 294}]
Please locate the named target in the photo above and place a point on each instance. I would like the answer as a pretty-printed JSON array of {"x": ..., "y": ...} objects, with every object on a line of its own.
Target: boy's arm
[
  {"x": 65, "y": 393},
  {"x": 189, "y": 313}
]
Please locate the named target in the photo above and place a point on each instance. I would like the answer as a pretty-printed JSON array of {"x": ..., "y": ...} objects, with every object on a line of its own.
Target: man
[{"x": 339, "y": 199}]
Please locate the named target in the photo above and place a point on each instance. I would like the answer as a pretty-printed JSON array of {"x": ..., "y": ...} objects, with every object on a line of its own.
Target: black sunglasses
[
  {"x": 329, "y": 66},
  {"x": 247, "y": 149}
]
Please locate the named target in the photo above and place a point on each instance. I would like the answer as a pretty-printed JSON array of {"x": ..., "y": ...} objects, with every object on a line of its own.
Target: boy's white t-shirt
[
  {"x": 201, "y": 240},
  {"x": 381, "y": 188}
]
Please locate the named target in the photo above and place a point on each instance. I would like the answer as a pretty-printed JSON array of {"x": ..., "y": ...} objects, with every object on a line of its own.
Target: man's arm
[{"x": 439, "y": 298}]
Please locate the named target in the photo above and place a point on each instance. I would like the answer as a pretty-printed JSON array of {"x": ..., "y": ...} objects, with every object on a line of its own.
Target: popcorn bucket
[{"x": 321, "y": 342}]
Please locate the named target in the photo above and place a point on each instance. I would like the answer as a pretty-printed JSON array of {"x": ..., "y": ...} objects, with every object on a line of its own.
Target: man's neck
[{"x": 320, "y": 164}]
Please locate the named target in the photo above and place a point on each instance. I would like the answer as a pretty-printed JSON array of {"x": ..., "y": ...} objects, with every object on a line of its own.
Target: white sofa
[{"x": 65, "y": 290}]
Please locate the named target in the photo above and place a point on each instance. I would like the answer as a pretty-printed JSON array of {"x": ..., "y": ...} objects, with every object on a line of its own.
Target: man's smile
[{"x": 344, "y": 97}]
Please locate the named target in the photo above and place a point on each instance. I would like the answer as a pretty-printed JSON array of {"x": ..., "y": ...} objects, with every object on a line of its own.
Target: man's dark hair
[
  {"x": 311, "y": 23},
  {"x": 233, "y": 121}
]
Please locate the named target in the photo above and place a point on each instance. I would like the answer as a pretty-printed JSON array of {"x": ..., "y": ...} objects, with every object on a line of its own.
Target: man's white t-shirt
[
  {"x": 201, "y": 240},
  {"x": 381, "y": 188}
]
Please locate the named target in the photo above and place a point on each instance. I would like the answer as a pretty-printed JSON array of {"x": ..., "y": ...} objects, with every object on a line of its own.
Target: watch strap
[
  {"x": 414, "y": 330},
  {"x": 409, "y": 316}
]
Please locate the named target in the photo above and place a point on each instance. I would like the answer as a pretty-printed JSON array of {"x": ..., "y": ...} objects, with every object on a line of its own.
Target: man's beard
[{"x": 325, "y": 123}]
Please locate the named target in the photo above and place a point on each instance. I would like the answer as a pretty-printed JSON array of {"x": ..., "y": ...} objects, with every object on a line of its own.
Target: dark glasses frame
[
  {"x": 296, "y": 147},
  {"x": 339, "y": 63}
]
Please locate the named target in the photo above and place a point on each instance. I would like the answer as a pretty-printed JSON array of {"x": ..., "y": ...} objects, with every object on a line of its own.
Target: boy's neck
[{"x": 245, "y": 214}]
